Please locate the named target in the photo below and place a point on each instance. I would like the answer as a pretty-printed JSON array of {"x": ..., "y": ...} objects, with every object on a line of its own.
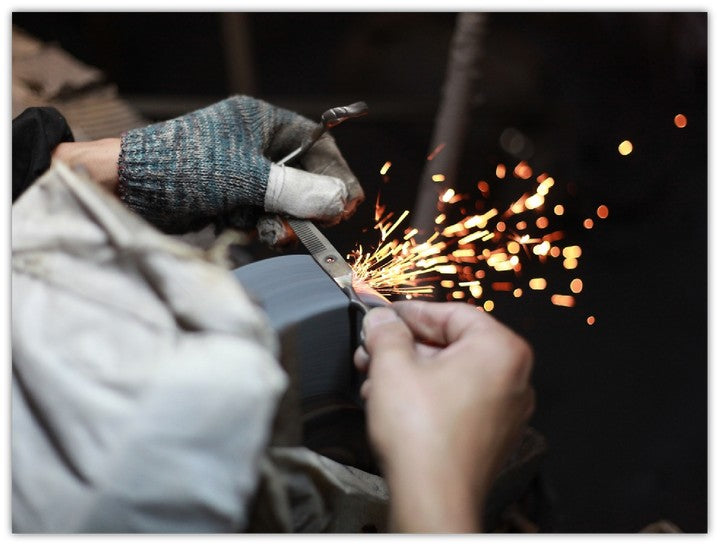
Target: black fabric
[{"x": 35, "y": 134}]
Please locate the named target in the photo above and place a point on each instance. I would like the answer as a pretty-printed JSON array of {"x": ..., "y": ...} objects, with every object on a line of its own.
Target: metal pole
[{"x": 453, "y": 116}]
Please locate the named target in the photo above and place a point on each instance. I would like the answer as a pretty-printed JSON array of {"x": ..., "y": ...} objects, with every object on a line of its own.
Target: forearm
[
  {"x": 433, "y": 499},
  {"x": 98, "y": 157}
]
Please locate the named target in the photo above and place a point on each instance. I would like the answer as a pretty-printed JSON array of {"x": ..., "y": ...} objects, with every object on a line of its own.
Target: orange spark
[
  {"x": 602, "y": 212},
  {"x": 500, "y": 170},
  {"x": 562, "y": 300},
  {"x": 680, "y": 121},
  {"x": 522, "y": 170},
  {"x": 625, "y": 147},
  {"x": 576, "y": 286},
  {"x": 573, "y": 251},
  {"x": 588, "y": 223},
  {"x": 438, "y": 178},
  {"x": 502, "y": 286},
  {"x": 591, "y": 320},
  {"x": 385, "y": 168},
  {"x": 436, "y": 151},
  {"x": 447, "y": 195}
]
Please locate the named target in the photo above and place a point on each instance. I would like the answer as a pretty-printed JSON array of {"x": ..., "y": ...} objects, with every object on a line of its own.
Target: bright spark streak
[
  {"x": 463, "y": 251},
  {"x": 562, "y": 300}
]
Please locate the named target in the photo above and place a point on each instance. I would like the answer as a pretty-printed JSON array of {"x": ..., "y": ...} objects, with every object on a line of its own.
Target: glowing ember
[
  {"x": 436, "y": 151},
  {"x": 448, "y": 195},
  {"x": 523, "y": 170},
  {"x": 438, "y": 178},
  {"x": 680, "y": 121},
  {"x": 588, "y": 223},
  {"x": 562, "y": 300},
  {"x": 602, "y": 212},
  {"x": 385, "y": 168},
  {"x": 573, "y": 251},
  {"x": 489, "y": 305},
  {"x": 484, "y": 188},
  {"x": 538, "y": 284},
  {"x": 591, "y": 320},
  {"x": 542, "y": 249},
  {"x": 500, "y": 170},
  {"x": 559, "y": 210},
  {"x": 576, "y": 286},
  {"x": 625, "y": 147}
]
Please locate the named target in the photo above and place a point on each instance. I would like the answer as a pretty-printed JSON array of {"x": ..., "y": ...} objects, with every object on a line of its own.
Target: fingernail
[{"x": 380, "y": 315}]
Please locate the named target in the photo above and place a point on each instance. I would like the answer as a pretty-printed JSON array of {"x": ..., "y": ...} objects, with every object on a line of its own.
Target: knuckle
[
  {"x": 385, "y": 335},
  {"x": 515, "y": 361}
]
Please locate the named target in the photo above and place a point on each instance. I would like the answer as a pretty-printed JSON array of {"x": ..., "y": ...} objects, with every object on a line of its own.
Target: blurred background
[{"x": 622, "y": 402}]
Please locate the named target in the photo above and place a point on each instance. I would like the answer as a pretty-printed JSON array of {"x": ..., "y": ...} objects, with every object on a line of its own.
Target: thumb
[
  {"x": 305, "y": 195},
  {"x": 388, "y": 341}
]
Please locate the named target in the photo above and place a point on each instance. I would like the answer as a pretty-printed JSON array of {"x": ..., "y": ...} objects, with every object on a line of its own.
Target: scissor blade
[{"x": 323, "y": 252}]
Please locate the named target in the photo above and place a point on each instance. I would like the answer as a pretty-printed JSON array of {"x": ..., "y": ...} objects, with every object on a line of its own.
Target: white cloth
[{"x": 144, "y": 380}]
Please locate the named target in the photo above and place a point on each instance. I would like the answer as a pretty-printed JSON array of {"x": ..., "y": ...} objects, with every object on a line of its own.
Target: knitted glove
[{"x": 214, "y": 164}]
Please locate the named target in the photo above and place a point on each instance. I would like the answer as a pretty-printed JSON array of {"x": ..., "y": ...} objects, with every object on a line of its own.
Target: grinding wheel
[{"x": 318, "y": 334}]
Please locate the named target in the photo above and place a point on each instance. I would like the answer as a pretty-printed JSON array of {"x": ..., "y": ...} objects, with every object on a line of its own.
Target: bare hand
[{"x": 447, "y": 395}]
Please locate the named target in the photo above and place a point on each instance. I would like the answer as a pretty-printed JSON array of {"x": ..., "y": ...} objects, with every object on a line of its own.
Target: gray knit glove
[{"x": 215, "y": 165}]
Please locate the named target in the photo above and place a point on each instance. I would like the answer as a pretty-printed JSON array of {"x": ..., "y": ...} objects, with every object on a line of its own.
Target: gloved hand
[{"x": 216, "y": 164}]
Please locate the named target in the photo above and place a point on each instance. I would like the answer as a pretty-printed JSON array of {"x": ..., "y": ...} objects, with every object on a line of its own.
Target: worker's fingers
[
  {"x": 325, "y": 158},
  {"x": 388, "y": 341},
  {"x": 288, "y": 132},
  {"x": 362, "y": 359},
  {"x": 274, "y": 231},
  {"x": 305, "y": 195},
  {"x": 443, "y": 323},
  {"x": 365, "y": 389}
]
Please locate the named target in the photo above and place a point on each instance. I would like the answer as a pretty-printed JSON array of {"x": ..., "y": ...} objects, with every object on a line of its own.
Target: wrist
[
  {"x": 433, "y": 497},
  {"x": 98, "y": 157}
]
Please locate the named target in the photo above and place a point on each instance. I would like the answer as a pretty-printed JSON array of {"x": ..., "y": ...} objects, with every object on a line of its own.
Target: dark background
[{"x": 623, "y": 404}]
